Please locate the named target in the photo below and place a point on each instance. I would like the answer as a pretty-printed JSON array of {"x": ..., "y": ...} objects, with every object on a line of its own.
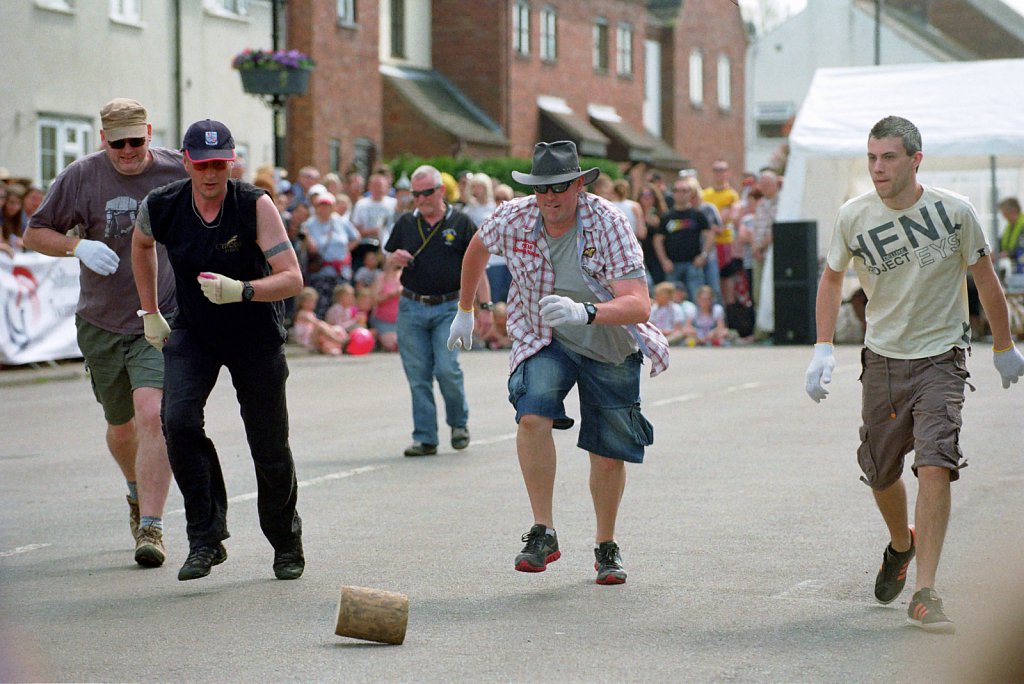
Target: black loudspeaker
[{"x": 795, "y": 272}]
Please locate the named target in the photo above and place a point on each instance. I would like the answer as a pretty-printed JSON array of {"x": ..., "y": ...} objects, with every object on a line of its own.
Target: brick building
[{"x": 487, "y": 79}]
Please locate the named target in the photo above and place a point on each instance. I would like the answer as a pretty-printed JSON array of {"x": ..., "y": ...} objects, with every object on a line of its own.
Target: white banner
[{"x": 38, "y": 297}]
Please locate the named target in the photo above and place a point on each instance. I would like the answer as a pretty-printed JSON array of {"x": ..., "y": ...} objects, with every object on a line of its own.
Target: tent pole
[{"x": 995, "y": 203}]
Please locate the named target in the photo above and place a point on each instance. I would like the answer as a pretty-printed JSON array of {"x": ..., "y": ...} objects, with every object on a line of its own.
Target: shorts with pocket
[
  {"x": 611, "y": 424},
  {"x": 911, "y": 404},
  {"x": 118, "y": 364}
]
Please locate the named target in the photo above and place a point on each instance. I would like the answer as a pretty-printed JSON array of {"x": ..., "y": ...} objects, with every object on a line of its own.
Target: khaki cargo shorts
[
  {"x": 911, "y": 404},
  {"x": 118, "y": 364}
]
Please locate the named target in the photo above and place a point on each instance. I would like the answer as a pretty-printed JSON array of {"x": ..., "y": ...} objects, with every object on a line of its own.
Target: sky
[{"x": 791, "y": 7}]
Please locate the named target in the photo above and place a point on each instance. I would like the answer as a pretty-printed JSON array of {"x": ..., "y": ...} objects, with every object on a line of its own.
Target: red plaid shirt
[{"x": 609, "y": 251}]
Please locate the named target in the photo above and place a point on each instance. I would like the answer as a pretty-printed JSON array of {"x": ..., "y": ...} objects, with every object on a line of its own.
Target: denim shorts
[
  {"x": 611, "y": 424},
  {"x": 118, "y": 365}
]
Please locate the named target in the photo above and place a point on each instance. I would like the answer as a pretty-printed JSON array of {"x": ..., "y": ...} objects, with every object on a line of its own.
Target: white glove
[
  {"x": 557, "y": 310},
  {"x": 1010, "y": 365},
  {"x": 157, "y": 330},
  {"x": 220, "y": 289},
  {"x": 819, "y": 373},
  {"x": 461, "y": 334},
  {"x": 97, "y": 256}
]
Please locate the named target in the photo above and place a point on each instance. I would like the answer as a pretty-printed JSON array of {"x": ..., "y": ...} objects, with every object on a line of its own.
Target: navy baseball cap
[{"x": 208, "y": 140}]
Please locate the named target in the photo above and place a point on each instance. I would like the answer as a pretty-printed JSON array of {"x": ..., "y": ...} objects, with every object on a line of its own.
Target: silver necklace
[{"x": 220, "y": 214}]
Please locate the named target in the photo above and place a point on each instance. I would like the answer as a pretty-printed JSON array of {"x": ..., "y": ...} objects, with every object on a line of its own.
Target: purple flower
[{"x": 266, "y": 59}]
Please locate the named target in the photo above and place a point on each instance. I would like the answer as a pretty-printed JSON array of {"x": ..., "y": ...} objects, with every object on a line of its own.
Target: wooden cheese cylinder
[{"x": 372, "y": 615}]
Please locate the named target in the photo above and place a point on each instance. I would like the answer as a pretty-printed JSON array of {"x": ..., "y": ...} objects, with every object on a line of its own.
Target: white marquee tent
[{"x": 971, "y": 118}]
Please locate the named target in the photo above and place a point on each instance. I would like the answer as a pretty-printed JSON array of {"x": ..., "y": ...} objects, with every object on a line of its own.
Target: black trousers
[{"x": 191, "y": 367}]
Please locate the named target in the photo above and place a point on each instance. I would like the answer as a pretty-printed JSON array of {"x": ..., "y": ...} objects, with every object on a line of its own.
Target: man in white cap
[
  {"x": 578, "y": 312},
  {"x": 233, "y": 264},
  {"x": 100, "y": 195}
]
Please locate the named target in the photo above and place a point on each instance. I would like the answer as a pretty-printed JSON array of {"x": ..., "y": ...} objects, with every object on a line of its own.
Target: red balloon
[{"x": 360, "y": 341}]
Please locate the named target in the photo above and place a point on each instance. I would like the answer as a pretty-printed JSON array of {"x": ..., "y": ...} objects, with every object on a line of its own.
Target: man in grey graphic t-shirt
[{"x": 99, "y": 196}]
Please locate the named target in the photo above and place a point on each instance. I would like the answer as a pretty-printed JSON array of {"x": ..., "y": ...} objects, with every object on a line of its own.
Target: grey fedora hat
[{"x": 555, "y": 162}]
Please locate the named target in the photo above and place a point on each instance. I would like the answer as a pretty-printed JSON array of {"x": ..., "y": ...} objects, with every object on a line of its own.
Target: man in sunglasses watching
[
  {"x": 99, "y": 195},
  {"x": 429, "y": 243},
  {"x": 578, "y": 314}
]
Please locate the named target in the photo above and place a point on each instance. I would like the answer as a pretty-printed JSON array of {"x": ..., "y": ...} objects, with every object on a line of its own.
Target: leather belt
[{"x": 430, "y": 300}]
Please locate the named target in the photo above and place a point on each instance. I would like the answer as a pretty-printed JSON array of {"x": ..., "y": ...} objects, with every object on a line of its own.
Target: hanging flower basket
[{"x": 282, "y": 72}]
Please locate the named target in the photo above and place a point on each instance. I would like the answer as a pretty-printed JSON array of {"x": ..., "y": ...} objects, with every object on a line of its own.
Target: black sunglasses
[
  {"x": 557, "y": 188},
  {"x": 119, "y": 144},
  {"x": 425, "y": 193}
]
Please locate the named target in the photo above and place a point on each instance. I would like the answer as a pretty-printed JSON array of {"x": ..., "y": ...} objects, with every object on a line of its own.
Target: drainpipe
[{"x": 178, "y": 86}]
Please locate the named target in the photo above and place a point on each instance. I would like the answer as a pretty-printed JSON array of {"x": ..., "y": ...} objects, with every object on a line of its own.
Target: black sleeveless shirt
[{"x": 228, "y": 247}]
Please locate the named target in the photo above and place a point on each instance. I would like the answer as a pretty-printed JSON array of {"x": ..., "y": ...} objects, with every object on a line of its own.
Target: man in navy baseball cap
[{"x": 208, "y": 140}]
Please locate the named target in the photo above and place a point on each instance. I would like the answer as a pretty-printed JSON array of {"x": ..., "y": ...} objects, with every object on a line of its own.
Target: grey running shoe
[
  {"x": 420, "y": 449},
  {"x": 460, "y": 438},
  {"x": 149, "y": 547},
  {"x": 541, "y": 548},
  {"x": 200, "y": 560},
  {"x": 133, "y": 517},
  {"x": 925, "y": 611},
  {"x": 892, "y": 576},
  {"x": 608, "y": 563}
]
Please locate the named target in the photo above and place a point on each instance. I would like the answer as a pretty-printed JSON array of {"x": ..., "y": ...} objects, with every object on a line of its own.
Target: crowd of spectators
[
  {"x": 708, "y": 242},
  {"x": 338, "y": 225}
]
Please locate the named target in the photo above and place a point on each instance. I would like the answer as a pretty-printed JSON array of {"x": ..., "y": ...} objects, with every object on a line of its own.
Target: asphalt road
[{"x": 750, "y": 543}]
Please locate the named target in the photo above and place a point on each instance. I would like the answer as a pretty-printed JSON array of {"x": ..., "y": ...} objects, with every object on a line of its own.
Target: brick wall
[
  {"x": 573, "y": 77},
  {"x": 345, "y": 91},
  {"x": 703, "y": 134},
  {"x": 470, "y": 45}
]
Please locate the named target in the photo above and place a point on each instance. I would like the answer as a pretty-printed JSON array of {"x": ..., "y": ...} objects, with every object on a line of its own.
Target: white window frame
[
  {"x": 696, "y": 77},
  {"x": 126, "y": 12},
  {"x": 67, "y": 6},
  {"x": 601, "y": 38},
  {"x": 624, "y": 49},
  {"x": 230, "y": 9},
  {"x": 346, "y": 12},
  {"x": 521, "y": 28},
  {"x": 65, "y": 151},
  {"x": 724, "y": 83},
  {"x": 548, "y": 34}
]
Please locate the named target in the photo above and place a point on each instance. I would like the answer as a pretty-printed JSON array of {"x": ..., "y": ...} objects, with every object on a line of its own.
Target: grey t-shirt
[
  {"x": 103, "y": 204},
  {"x": 606, "y": 343}
]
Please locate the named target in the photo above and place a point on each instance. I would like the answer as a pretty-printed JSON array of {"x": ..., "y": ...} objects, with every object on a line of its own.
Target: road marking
[
  {"x": 331, "y": 476},
  {"x": 23, "y": 549},
  {"x": 340, "y": 475},
  {"x": 493, "y": 440},
  {"x": 807, "y": 589},
  {"x": 744, "y": 386},
  {"x": 697, "y": 395},
  {"x": 675, "y": 400}
]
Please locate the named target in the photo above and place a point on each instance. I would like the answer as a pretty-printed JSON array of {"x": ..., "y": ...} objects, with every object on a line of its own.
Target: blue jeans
[
  {"x": 693, "y": 277},
  {"x": 423, "y": 345},
  {"x": 191, "y": 367},
  {"x": 499, "y": 278}
]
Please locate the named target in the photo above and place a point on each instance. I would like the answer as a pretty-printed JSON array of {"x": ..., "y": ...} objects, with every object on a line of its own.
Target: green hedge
[{"x": 496, "y": 167}]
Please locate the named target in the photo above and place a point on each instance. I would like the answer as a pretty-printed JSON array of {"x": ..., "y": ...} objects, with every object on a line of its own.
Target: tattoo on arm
[
  {"x": 277, "y": 249},
  {"x": 142, "y": 219}
]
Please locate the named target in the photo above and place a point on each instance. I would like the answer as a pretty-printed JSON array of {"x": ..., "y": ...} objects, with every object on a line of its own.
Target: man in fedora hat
[
  {"x": 578, "y": 314},
  {"x": 100, "y": 195}
]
